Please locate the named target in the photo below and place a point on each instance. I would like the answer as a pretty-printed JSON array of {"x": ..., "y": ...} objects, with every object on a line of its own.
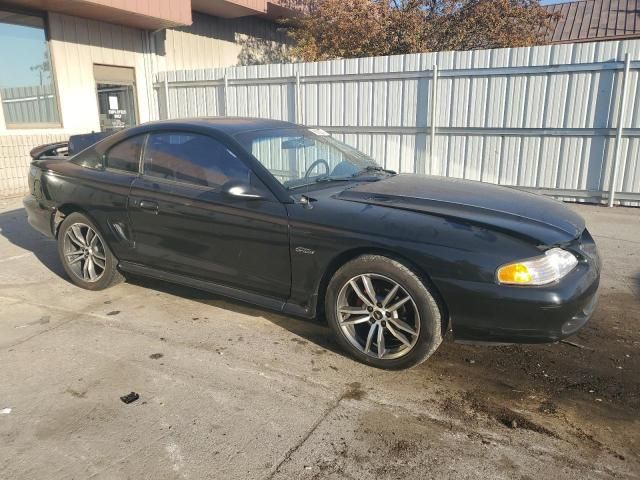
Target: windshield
[{"x": 300, "y": 156}]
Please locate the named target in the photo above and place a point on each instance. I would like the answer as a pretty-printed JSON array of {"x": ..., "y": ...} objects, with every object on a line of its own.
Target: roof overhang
[
  {"x": 285, "y": 8},
  {"x": 230, "y": 8},
  {"x": 149, "y": 14},
  {"x": 242, "y": 8}
]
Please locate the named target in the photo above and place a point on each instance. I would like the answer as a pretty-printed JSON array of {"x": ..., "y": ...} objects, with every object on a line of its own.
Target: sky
[{"x": 21, "y": 48}]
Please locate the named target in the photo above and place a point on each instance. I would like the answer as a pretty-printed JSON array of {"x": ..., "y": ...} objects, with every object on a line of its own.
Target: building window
[{"x": 27, "y": 89}]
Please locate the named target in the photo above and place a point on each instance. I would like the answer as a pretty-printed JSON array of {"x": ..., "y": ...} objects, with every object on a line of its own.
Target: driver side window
[
  {"x": 125, "y": 156},
  {"x": 192, "y": 158}
]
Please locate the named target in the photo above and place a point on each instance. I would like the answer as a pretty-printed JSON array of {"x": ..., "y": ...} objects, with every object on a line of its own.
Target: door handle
[{"x": 149, "y": 206}]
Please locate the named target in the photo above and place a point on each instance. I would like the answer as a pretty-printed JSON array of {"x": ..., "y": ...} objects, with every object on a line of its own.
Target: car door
[
  {"x": 102, "y": 186},
  {"x": 183, "y": 223}
]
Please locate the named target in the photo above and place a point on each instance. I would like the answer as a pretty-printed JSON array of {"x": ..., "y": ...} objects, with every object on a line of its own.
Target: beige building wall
[
  {"x": 221, "y": 42},
  {"x": 76, "y": 44}
]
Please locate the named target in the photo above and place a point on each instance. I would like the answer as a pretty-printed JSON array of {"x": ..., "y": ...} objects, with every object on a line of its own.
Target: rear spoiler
[
  {"x": 56, "y": 149},
  {"x": 76, "y": 144}
]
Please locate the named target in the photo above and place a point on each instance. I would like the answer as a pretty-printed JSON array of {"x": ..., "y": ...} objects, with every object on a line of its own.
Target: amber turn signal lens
[
  {"x": 541, "y": 270},
  {"x": 516, "y": 273}
]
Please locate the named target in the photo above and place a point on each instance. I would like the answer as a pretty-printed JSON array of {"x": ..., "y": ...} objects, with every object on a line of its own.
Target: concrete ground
[{"x": 228, "y": 391}]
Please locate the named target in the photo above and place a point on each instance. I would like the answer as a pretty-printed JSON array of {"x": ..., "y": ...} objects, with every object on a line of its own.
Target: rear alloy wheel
[
  {"x": 382, "y": 313},
  {"x": 84, "y": 252},
  {"x": 85, "y": 255}
]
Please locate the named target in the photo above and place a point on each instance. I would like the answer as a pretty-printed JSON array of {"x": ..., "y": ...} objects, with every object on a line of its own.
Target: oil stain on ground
[{"x": 354, "y": 392}]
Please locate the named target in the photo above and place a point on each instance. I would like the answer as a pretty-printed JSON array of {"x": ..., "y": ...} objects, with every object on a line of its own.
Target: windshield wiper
[
  {"x": 322, "y": 179},
  {"x": 329, "y": 178},
  {"x": 374, "y": 168}
]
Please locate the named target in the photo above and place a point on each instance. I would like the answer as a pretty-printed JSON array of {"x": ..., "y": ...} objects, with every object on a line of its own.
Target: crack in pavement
[
  {"x": 287, "y": 456},
  {"x": 41, "y": 332},
  {"x": 74, "y": 316},
  {"x": 61, "y": 309}
]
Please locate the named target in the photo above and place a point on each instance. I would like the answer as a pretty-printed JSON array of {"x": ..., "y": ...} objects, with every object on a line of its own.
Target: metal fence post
[
  {"x": 616, "y": 152},
  {"x": 166, "y": 98},
  {"x": 432, "y": 126},
  {"x": 298, "y": 115},
  {"x": 225, "y": 94}
]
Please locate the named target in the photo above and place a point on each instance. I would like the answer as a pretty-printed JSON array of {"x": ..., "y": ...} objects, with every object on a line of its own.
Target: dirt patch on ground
[
  {"x": 404, "y": 445},
  {"x": 587, "y": 391},
  {"x": 501, "y": 414},
  {"x": 354, "y": 392}
]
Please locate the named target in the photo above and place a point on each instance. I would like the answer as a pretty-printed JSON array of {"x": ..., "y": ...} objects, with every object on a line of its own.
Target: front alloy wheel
[
  {"x": 383, "y": 313},
  {"x": 378, "y": 316}
]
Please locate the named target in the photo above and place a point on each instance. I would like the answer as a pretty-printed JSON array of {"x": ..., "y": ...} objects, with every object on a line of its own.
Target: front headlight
[{"x": 547, "y": 268}]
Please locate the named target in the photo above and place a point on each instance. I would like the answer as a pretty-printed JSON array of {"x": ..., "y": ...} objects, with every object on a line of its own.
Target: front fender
[{"x": 324, "y": 237}]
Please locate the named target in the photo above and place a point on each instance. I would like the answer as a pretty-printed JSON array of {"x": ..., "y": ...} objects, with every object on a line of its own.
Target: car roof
[{"x": 229, "y": 125}]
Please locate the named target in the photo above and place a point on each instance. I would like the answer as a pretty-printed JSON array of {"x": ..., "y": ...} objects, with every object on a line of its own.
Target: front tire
[
  {"x": 85, "y": 255},
  {"x": 382, "y": 313}
]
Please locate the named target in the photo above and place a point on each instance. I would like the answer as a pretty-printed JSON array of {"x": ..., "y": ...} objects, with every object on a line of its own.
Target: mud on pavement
[{"x": 549, "y": 411}]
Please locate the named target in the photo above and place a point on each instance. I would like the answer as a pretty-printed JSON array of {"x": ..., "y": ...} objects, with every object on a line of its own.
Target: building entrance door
[{"x": 116, "y": 91}]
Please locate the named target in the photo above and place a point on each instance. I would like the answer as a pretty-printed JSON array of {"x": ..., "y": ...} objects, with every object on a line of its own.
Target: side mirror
[{"x": 238, "y": 189}]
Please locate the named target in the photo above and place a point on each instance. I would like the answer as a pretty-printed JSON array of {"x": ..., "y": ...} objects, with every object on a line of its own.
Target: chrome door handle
[{"x": 149, "y": 206}]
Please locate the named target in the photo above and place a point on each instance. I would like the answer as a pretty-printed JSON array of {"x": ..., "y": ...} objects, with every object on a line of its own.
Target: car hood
[{"x": 520, "y": 213}]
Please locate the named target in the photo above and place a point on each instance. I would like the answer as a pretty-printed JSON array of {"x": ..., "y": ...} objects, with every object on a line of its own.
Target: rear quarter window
[{"x": 88, "y": 159}]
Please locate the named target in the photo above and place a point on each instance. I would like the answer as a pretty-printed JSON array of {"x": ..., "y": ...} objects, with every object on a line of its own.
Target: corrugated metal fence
[
  {"x": 551, "y": 118},
  {"x": 30, "y": 105}
]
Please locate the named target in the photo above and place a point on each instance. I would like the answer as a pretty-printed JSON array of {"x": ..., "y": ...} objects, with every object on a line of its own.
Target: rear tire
[
  {"x": 382, "y": 313},
  {"x": 85, "y": 255}
]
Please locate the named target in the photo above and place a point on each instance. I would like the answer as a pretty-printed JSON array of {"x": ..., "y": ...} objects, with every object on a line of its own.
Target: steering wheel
[{"x": 320, "y": 161}]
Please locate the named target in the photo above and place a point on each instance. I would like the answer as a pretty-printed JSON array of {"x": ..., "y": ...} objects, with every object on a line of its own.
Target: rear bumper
[
  {"x": 39, "y": 216},
  {"x": 510, "y": 314}
]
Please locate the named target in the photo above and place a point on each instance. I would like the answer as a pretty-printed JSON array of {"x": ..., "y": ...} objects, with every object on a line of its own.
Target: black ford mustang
[{"x": 288, "y": 218}]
